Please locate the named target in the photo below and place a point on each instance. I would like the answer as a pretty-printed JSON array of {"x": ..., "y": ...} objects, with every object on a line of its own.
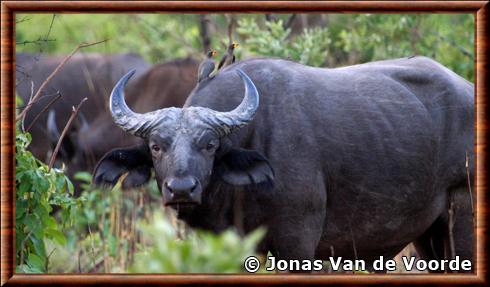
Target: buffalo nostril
[
  {"x": 168, "y": 187},
  {"x": 194, "y": 185},
  {"x": 181, "y": 186}
]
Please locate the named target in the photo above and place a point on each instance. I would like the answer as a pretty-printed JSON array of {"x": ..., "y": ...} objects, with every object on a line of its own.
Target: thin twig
[
  {"x": 92, "y": 247},
  {"x": 469, "y": 183},
  {"x": 79, "y": 263},
  {"x": 451, "y": 225},
  {"x": 26, "y": 18},
  {"x": 51, "y": 76},
  {"x": 47, "y": 259},
  {"x": 38, "y": 41},
  {"x": 40, "y": 98},
  {"x": 22, "y": 245},
  {"x": 96, "y": 266},
  {"x": 46, "y": 38},
  {"x": 58, "y": 95},
  {"x": 74, "y": 113},
  {"x": 50, "y": 27},
  {"x": 30, "y": 100}
]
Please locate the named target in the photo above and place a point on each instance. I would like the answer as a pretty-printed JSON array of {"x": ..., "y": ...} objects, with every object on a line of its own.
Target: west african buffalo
[
  {"x": 84, "y": 75},
  {"x": 360, "y": 160}
]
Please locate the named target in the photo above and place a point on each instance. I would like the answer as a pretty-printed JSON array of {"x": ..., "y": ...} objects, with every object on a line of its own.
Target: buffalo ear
[
  {"x": 136, "y": 161},
  {"x": 245, "y": 167}
]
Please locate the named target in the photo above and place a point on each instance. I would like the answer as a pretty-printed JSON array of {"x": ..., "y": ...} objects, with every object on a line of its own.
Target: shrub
[
  {"x": 200, "y": 252},
  {"x": 309, "y": 48},
  {"x": 37, "y": 189}
]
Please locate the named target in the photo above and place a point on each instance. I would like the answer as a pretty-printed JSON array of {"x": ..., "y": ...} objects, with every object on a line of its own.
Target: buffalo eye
[
  {"x": 155, "y": 148},
  {"x": 211, "y": 146}
]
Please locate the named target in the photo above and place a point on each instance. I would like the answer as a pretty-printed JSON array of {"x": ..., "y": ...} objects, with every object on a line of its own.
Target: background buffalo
[{"x": 85, "y": 75}]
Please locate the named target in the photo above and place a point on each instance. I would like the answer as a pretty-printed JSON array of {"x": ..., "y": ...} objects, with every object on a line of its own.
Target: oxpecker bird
[
  {"x": 206, "y": 67},
  {"x": 228, "y": 58}
]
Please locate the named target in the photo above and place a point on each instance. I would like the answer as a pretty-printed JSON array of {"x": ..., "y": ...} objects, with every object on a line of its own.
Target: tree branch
[
  {"x": 26, "y": 18},
  {"x": 38, "y": 41},
  {"x": 39, "y": 99},
  {"x": 204, "y": 32},
  {"x": 231, "y": 24},
  {"x": 467, "y": 165},
  {"x": 289, "y": 22},
  {"x": 452, "y": 250},
  {"x": 58, "y": 95},
  {"x": 74, "y": 113}
]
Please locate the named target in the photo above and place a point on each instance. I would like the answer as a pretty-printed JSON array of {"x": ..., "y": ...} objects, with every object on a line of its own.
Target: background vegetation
[
  {"x": 121, "y": 231},
  {"x": 326, "y": 40}
]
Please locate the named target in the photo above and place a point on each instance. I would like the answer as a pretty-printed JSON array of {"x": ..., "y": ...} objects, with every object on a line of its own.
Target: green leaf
[
  {"x": 83, "y": 176},
  {"x": 36, "y": 263},
  {"x": 38, "y": 245},
  {"x": 57, "y": 236}
]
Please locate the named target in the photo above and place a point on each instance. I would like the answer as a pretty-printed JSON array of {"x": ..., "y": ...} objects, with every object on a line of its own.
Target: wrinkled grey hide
[{"x": 364, "y": 157}]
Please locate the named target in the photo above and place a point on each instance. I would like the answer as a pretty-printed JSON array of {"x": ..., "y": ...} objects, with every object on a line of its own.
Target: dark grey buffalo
[
  {"x": 359, "y": 161},
  {"x": 90, "y": 75}
]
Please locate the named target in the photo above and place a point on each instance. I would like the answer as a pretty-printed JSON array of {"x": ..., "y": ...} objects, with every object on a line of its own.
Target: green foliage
[
  {"x": 338, "y": 40},
  {"x": 37, "y": 188},
  {"x": 104, "y": 237},
  {"x": 309, "y": 48},
  {"x": 448, "y": 39},
  {"x": 355, "y": 39},
  {"x": 117, "y": 231},
  {"x": 104, "y": 233},
  {"x": 200, "y": 252},
  {"x": 155, "y": 37}
]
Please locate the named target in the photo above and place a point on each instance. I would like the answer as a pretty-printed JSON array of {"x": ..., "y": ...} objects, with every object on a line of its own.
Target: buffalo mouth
[
  {"x": 181, "y": 203},
  {"x": 182, "y": 206}
]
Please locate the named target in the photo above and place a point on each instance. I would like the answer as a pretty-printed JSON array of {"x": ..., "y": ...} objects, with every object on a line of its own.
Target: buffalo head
[{"x": 187, "y": 147}]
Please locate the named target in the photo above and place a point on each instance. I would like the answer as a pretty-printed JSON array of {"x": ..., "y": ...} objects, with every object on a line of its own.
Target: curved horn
[
  {"x": 223, "y": 122},
  {"x": 124, "y": 117},
  {"x": 227, "y": 122}
]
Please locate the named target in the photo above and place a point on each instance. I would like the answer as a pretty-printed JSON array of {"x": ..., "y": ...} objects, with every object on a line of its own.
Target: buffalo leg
[
  {"x": 452, "y": 233},
  {"x": 299, "y": 243},
  {"x": 462, "y": 225},
  {"x": 431, "y": 245}
]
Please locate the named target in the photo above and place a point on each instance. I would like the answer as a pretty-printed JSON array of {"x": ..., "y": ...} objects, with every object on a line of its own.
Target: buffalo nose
[{"x": 181, "y": 186}]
